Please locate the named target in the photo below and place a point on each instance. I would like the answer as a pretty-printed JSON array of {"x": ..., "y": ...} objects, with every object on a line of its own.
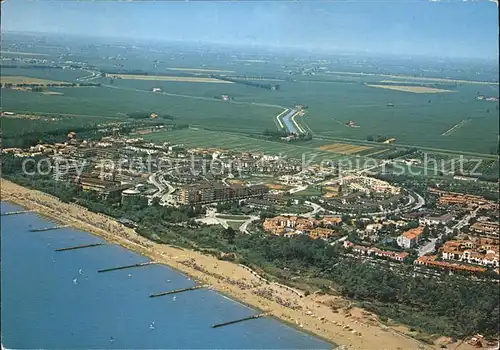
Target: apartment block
[{"x": 410, "y": 238}]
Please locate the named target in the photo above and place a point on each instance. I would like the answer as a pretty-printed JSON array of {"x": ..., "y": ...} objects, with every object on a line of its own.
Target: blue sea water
[{"x": 58, "y": 300}]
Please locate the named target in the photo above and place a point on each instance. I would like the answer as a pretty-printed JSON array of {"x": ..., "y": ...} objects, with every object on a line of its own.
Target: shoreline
[
  {"x": 192, "y": 277},
  {"x": 351, "y": 328}
]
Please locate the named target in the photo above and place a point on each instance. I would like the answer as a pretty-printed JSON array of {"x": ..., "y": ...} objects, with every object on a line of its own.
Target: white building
[{"x": 410, "y": 238}]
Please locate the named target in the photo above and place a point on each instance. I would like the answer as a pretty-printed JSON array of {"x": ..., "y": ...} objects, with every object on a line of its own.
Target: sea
[{"x": 58, "y": 300}]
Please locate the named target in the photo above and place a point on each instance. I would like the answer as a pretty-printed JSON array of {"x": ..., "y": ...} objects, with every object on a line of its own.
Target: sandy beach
[{"x": 329, "y": 317}]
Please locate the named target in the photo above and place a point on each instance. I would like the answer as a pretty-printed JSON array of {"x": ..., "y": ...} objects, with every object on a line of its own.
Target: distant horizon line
[{"x": 330, "y": 51}]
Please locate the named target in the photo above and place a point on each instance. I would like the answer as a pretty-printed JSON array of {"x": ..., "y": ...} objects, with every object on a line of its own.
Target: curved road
[
  {"x": 164, "y": 188},
  {"x": 244, "y": 226}
]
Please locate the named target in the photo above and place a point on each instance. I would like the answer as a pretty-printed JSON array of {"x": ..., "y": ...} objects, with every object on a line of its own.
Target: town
[
  {"x": 371, "y": 219},
  {"x": 250, "y": 175}
]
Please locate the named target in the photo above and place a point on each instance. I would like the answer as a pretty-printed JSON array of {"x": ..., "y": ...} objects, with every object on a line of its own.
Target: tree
[
  {"x": 229, "y": 234},
  {"x": 412, "y": 224},
  {"x": 346, "y": 219}
]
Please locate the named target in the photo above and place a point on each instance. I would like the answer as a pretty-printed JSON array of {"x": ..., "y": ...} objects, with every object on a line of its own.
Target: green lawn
[
  {"x": 234, "y": 217},
  {"x": 308, "y": 192},
  {"x": 234, "y": 224}
]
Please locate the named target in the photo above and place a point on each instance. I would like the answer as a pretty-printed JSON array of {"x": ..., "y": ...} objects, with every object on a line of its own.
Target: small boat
[
  {"x": 152, "y": 325},
  {"x": 75, "y": 280},
  {"x": 129, "y": 275},
  {"x": 111, "y": 339},
  {"x": 80, "y": 272},
  {"x": 174, "y": 298}
]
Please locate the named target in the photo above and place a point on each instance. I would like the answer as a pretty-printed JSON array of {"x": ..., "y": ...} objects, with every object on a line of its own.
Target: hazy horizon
[{"x": 423, "y": 28}]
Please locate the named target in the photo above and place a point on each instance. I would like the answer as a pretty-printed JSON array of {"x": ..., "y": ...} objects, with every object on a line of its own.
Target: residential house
[
  {"x": 480, "y": 251},
  {"x": 315, "y": 228},
  {"x": 436, "y": 220},
  {"x": 364, "y": 250},
  {"x": 486, "y": 228},
  {"x": 431, "y": 260}
]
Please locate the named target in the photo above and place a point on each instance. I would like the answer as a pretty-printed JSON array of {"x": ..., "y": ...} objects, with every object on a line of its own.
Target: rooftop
[{"x": 414, "y": 232}]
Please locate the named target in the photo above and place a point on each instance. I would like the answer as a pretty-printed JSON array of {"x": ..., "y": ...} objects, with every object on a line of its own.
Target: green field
[
  {"x": 235, "y": 225},
  {"x": 109, "y": 102},
  {"x": 308, "y": 152},
  {"x": 66, "y": 75},
  {"x": 229, "y": 141},
  {"x": 333, "y": 98},
  {"x": 308, "y": 192},
  {"x": 412, "y": 121}
]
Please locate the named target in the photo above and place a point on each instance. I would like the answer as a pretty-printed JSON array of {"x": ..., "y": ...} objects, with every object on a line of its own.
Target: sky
[{"x": 436, "y": 28}]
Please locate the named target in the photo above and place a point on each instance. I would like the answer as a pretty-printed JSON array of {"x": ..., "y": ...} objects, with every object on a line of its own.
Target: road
[
  {"x": 429, "y": 247},
  {"x": 316, "y": 209},
  {"x": 165, "y": 190},
  {"x": 359, "y": 172},
  {"x": 465, "y": 220},
  {"x": 420, "y": 200},
  {"x": 298, "y": 189},
  {"x": 166, "y": 198},
  {"x": 212, "y": 219},
  {"x": 154, "y": 181},
  {"x": 244, "y": 226},
  {"x": 92, "y": 76}
]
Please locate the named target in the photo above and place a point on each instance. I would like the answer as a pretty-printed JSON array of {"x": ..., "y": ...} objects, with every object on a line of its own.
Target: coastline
[{"x": 312, "y": 314}]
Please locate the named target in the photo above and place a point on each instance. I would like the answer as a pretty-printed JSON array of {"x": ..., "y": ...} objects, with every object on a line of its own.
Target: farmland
[
  {"x": 410, "y": 88},
  {"x": 169, "y": 78},
  {"x": 334, "y": 95},
  {"x": 104, "y": 102},
  {"x": 18, "y": 53},
  {"x": 14, "y": 79},
  {"x": 344, "y": 148},
  {"x": 24, "y": 130},
  {"x": 229, "y": 141},
  {"x": 201, "y": 70},
  {"x": 64, "y": 75},
  {"x": 367, "y": 107},
  {"x": 254, "y": 110},
  {"x": 407, "y": 77}
]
